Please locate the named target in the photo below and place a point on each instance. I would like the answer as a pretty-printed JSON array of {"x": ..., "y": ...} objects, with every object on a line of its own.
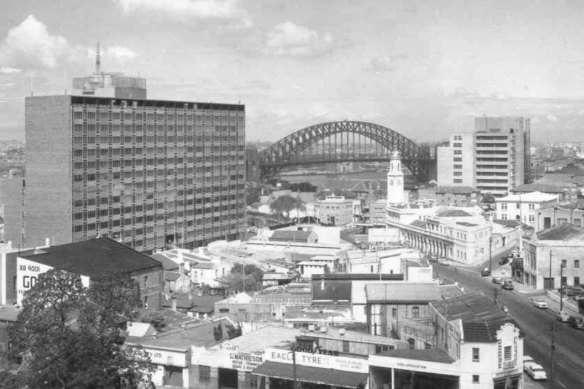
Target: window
[
  {"x": 576, "y": 263},
  {"x": 475, "y": 354},
  {"x": 393, "y": 312},
  {"x": 504, "y": 206},
  {"x": 507, "y": 353},
  {"x": 563, "y": 263},
  {"x": 475, "y": 379},
  {"x": 204, "y": 373},
  {"x": 576, "y": 281},
  {"x": 531, "y": 206},
  {"x": 415, "y": 311},
  {"x": 345, "y": 346}
]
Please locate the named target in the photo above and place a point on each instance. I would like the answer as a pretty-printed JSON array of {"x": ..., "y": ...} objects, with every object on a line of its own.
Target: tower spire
[{"x": 97, "y": 59}]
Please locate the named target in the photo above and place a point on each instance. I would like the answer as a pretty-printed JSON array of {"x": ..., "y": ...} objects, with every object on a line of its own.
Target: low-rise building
[
  {"x": 90, "y": 259},
  {"x": 335, "y": 210},
  {"x": 523, "y": 207},
  {"x": 476, "y": 345},
  {"x": 457, "y": 196},
  {"x": 560, "y": 213},
  {"x": 261, "y": 307},
  {"x": 552, "y": 257}
]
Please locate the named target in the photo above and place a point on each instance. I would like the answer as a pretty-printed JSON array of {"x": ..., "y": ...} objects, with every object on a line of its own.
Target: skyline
[{"x": 422, "y": 69}]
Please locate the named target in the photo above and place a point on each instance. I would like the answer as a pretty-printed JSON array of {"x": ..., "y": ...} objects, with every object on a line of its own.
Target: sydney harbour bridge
[{"x": 347, "y": 141}]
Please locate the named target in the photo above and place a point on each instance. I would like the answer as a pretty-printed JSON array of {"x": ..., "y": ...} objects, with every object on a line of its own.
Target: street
[{"x": 537, "y": 325}]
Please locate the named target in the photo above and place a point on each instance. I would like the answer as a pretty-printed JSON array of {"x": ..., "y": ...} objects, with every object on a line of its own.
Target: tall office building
[
  {"x": 456, "y": 161},
  {"x": 502, "y": 158},
  {"x": 146, "y": 172}
]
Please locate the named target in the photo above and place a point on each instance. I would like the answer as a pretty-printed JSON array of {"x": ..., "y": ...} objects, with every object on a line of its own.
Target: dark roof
[
  {"x": 507, "y": 223},
  {"x": 481, "y": 319},
  {"x": 171, "y": 276},
  {"x": 564, "y": 231},
  {"x": 317, "y": 375},
  {"x": 203, "y": 304},
  {"x": 418, "y": 223},
  {"x": 357, "y": 277},
  {"x": 452, "y": 213},
  {"x": 291, "y": 236},
  {"x": 538, "y": 187},
  {"x": 429, "y": 355},
  {"x": 455, "y": 189},
  {"x": 166, "y": 262},
  {"x": 94, "y": 258}
]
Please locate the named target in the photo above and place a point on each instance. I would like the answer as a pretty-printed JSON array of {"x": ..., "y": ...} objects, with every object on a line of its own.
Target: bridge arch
[{"x": 420, "y": 160}]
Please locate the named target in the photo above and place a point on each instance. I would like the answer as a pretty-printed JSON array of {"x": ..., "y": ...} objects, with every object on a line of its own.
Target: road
[{"x": 537, "y": 325}]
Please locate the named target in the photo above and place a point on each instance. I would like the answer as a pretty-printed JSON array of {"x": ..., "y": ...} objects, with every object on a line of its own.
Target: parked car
[
  {"x": 497, "y": 280},
  {"x": 508, "y": 284},
  {"x": 563, "y": 316},
  {"x": 485, "y": 272},
  {"x": 542, "y": 304},
  {"x": 503, "y": 261},
  {"x": 576, "y": 322},
  {"x": 535, "y": 371}
]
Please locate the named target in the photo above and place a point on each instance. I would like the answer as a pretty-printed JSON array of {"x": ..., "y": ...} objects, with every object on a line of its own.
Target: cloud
[
  {"x": 31, "y": 45},
  {"x": 226, "y": 10},
  {"x": 385, "y": 63},
  {"x": 289, "y": 39},
  {"x": 8, "y": 70}
]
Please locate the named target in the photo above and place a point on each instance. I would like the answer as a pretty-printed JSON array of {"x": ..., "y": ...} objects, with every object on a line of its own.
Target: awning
[{"x": 315, "y": 375}]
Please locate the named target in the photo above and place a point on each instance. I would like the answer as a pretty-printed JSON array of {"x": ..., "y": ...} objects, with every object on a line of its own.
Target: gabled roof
[
  {"x": 481, "y": 319},
  {"x": 403, "y": 292},
  {"x": 528, "y": 197},
  {"x": 452, "y": 213},
  {"x": 167, "y": 263},
  {"x": 94, "y": 258},
  {"x": 507, "y": 223},
  {"x": 204, "y": 265}
]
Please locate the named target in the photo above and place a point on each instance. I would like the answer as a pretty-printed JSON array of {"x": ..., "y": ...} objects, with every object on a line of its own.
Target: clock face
[{"x": 390, "y": 182}]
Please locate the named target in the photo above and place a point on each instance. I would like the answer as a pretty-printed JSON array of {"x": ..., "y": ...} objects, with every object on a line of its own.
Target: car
[
  {"x": 508, "y": 285},
  {"x": 576, "y": 322},
  {"x": 542, "y": 304},
  {"x": 497, "y": 280},
  {"x": 535, "y": 371},
  {"x": 563, "y": 316},
  {"x": 527, "y": 360},
  {"x": 503, "y": 261},
  {"x": 485, "y": 272}
]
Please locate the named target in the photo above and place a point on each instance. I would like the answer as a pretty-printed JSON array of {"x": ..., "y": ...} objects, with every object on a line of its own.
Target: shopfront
[{"x": 283, "y": 367}]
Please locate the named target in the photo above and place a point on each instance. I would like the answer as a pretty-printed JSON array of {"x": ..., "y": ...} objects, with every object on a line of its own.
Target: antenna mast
[{"x": 97, "y": 60}]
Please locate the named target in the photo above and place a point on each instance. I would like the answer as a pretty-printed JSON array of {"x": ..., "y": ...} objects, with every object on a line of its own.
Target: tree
[
  {"x": 233, "y": 332},
  {"x": 253, "y": 277},
  {"x": 218, "y": 332},
  {"x": 284, "y": 204},
  {"x": 71, "y": 337}
]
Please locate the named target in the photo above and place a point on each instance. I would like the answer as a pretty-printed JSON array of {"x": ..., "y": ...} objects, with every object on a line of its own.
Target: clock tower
[{"x": 395, "y": 181}]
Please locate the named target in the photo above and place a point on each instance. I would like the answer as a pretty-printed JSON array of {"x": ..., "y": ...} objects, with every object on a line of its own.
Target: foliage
[
  {"x": 70, "y": 336},
  {"x": 10, "y": 380},
  {"x": 347, "y": 194},
  {"x": 284, "y": 204},
  {"x": 488, "y": 198},
  {"x": 154, "y": 318},
  {"x": 218, "y": 332},
  {"x": 253, "y": 278},
  {"x": 233, "y": 332}
]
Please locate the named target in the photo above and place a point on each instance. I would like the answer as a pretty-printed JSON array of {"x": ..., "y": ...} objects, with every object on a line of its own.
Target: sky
[{"x": 422, "y": 68}]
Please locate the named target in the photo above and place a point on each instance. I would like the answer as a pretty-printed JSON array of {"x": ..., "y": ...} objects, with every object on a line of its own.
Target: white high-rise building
[
  {"x": 456, "y": 161},
  {"x": 395, "y": 181}
]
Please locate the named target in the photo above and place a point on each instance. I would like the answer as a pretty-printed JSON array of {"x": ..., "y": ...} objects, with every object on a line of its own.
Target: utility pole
[
  {"x": 562, "y": 286},
  {"x": 295, "y": 386},
  {"x": 550, "y": 280},
  {"x": 553, "y": 357},
  {"x": 495, "y": 295}
]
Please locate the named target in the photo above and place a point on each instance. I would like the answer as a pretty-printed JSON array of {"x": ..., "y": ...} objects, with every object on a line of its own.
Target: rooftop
[
  {"x": 296, "y": 236},
  {"x": 429, "y": 355},
  {"x": 93, "y": 258},
  {"x": 528, "y": 197},
  {"x": 481, "y": 319},
  {"x": 538, "y": 187},
  {"x": 260, "y": 339},
  {"x": 355, "y": 336},
  {"x": 563, "y": 231},
  {"x": 452, "y": 213},
  {"x": 8, "y": 313},
  {"x": 405, "y": 292}
]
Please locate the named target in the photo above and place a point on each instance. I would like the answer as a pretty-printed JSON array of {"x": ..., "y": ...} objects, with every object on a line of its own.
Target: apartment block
[
  {"x": 502, "y": 159},
  {"x": 456, "y": 161},
  {"x": 148, "y": 173}
]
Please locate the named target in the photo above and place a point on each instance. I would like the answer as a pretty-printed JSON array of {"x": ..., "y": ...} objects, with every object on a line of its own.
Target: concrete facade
[
  {"x": 149, "y": 173},
  {"x": 523, "y": 207},
  {"x": 456, "y": 161}
]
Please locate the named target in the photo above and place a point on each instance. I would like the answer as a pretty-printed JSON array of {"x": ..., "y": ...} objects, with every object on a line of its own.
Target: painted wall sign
[{"x": 357, "y": 365}]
